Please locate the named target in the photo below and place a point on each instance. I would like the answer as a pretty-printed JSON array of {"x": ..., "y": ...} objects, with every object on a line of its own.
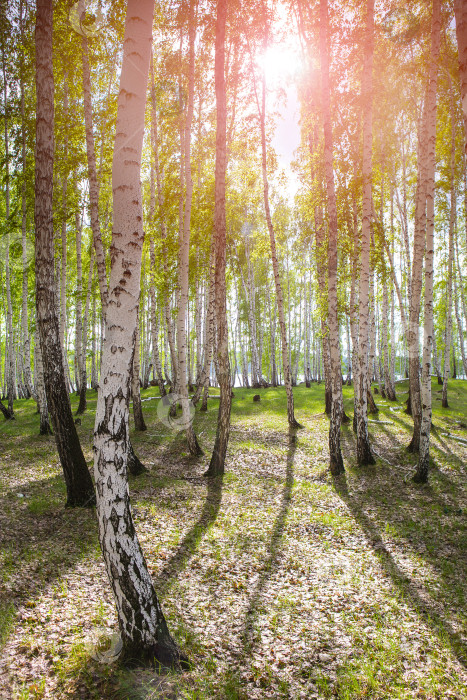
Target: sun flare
[{"x": 280, "y": 62}]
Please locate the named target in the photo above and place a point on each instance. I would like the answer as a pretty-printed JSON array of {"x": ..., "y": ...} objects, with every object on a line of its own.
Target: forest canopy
[{"x": 211, "y": 204}]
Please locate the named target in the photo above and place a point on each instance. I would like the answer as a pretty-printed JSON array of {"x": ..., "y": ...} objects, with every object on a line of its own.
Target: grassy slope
[{"x": 278, "y": 582}]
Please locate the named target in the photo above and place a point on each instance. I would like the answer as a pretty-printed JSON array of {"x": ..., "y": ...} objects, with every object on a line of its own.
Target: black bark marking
[{"x": 114, "y": 519}]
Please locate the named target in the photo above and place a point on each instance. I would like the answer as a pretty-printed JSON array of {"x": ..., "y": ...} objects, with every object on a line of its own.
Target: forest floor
[{"x": 277, "y": 581}]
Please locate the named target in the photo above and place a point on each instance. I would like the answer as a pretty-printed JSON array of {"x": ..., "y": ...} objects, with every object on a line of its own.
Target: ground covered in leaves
[{"x": 277, "y": 581}]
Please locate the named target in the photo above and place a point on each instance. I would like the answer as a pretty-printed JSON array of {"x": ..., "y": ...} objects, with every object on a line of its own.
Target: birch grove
[{"x": 213, "y": 207}]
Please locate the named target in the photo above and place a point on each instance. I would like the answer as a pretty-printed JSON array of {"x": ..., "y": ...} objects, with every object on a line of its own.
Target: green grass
[{"x": 280, "y": 582}]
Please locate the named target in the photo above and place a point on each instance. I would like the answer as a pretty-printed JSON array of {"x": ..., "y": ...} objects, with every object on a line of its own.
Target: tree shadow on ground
[
  {"x": 40, "y": 539},
  {"x": 424, "y": 606},
  {"x": 423, "y": 520},
  {"x": 272, "y": 561},
  {"x": 193, "y": 537}
]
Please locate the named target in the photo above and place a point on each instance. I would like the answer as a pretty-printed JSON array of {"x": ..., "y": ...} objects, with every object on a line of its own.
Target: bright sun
[{"x": 281, "y": 62}]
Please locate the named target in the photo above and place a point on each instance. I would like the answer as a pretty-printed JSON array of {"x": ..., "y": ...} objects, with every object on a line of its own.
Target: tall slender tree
[
  {"x": 421, "y": 474},
  {"x": 80, "y": 490},
  {"x": 336, "y": 462},
  {"x": 275, "y": 264},
  {"x": 142, "y": 624},
  {"x": 364, "y": 455},
  {"x": 184, "y": 252},
  {"x": 217, "y": 462}
]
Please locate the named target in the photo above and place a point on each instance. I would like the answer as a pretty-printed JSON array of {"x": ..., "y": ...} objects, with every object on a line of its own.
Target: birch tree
[
  {"x": 421, "y": 474},
  {"x": 184, "y": 252},
  {"x": 80, "y": 490},
  {"x": 362, "y": 382},
  {"x": 217, "y": 463},
  {"x": 142, "y": 624},
  {"x": 336, "y": 462},
  {"x": 275, "y": 264}
]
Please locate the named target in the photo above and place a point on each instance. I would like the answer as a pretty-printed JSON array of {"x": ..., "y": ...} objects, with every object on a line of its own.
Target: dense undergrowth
[{"x": 278, "y": 581}]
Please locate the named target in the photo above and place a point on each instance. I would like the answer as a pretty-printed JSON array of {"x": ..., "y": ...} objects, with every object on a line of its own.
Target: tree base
[
  {"x": 413, "y": 447},
  {"x": 216, "y": 467},
  {"x": 364, "y": 456},
  {"x": 45, "y": 429},
  {"x": 444, "y": 403},
  {"x": 160, "y": 657},
  {"x": 193, "y": 445},
  {"x": 420, "y": 477},
  {"x": 135, "y": 466},
  {"x": 336, "y": 466},
  {"x": 84, "y": 501},
  {"x": 295, "y": 424},
  {"x": 408, "y": 407}
]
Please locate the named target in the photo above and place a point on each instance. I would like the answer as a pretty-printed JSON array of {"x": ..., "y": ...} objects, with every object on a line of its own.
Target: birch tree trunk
[
  {"x": 452, "y": 226},
  {"x": 44, "y": 425},
  {"x": 421, "y": 474},
  {"x": 184, "y": 252},
  {"x": 336, "y": 462},
  {"x": 388, "y": 385},
  {"x": 293, "y": 423},
  {"x": 142, "y": 625},
  {"x": 393, "y": 328},
  {"x": 322, "y": 288},
  {"x": 436, "y": 360},
  {"x": 353, "y": 312},
  {"x": 428, "y": 117},
  {"x": 25, "y": 342},
  {"x": 10, "y": 355},
  {"x": 138, "y": 417},
  {"x": 460, "y": 329},
  {"x": 362, "y": 385},
  {"x": 217, "y": 464},
  {"x": 80, "y": 490},
  {"x": 92, "y": 172},
  {"x": 94, "y": 379},
  {"x": 448, "y": 326},
  {"x": 155, "y": 323},
  {"x": 63, "y": 257},
  {"x": 203, "y": 384},
  {"x": 80, "y": 345},
  {"x": 163, "y": 231},
  {"x": 460, "y": 9}
]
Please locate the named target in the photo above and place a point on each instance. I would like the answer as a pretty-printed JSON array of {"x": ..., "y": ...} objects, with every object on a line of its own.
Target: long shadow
[
  {"x": 423, "y": 607},
  {"x": 193, "y": 537},
  {"x": 439, "y": 496},
  {"x": 272, "y": 560},
  {"x": 439, "y": 446},
  {"x": 39, "y": 547}
]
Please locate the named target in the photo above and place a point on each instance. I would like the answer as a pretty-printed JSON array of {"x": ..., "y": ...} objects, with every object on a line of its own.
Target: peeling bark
[{"x": 142, "y": 624}]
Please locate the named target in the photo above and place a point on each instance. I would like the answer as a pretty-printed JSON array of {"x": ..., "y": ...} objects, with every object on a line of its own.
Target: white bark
[{"x": 142, "y": 625}]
